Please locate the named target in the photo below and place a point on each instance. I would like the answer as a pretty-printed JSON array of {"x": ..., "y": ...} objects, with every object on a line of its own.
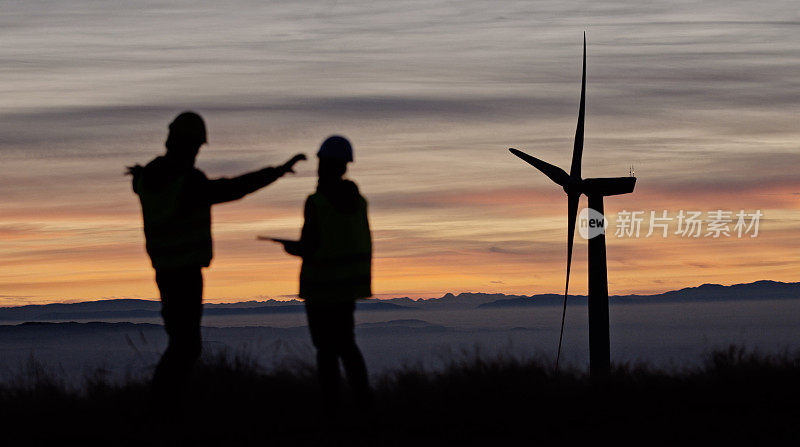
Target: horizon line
[{"x": 288, "y": 299}]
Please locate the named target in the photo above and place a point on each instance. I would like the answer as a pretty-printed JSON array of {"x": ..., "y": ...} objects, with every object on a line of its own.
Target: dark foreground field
[{"x": 737, "y": 397}]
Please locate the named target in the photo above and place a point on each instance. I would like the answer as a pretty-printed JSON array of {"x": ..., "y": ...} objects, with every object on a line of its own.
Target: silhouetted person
[
  {"x": 336, "y": 247},
  {"x": 176, "y": 201}
]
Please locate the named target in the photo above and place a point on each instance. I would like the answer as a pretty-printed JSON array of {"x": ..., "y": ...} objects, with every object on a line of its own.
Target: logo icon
[{"x": 591, "y": 223}]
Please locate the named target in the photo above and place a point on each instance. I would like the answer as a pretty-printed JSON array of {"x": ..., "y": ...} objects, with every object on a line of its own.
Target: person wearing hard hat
[
  {"x": 176, "y": 200},
  {"x": 336, "y": 247}
]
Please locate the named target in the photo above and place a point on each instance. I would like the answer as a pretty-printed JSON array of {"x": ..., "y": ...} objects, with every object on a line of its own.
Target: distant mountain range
[
  {"x": 134, "y": 308},
  {"x": 754, "y": 291}
]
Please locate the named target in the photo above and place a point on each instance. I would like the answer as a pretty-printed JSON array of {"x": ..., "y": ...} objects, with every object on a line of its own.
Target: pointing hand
[{"x": 289, "y": 165}]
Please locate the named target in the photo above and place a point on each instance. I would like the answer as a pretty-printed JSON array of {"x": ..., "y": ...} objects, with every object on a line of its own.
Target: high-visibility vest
[
  {"x": 177, "y": 223},
  {"x": 341, "y": 268}
]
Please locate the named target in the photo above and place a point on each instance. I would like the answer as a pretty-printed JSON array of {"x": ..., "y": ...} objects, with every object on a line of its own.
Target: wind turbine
[{"x": 595, "y": 189}]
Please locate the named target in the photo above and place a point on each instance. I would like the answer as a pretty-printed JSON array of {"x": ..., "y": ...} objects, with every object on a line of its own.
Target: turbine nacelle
[{"x": 608, "y": 186}]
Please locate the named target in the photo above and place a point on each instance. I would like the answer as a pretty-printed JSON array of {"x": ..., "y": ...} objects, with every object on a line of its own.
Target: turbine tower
[{"x": 595, "y": 189}]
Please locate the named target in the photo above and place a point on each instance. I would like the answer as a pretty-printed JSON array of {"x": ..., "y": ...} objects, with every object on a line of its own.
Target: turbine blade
[
  {"x": 577, "y": 151},
  {"x": 572, "y": 214},
  {"x": 554, "y": 173}
]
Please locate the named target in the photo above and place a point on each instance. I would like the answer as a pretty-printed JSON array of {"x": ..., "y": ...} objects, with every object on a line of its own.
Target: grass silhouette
[{"x": 735, "y": 396}]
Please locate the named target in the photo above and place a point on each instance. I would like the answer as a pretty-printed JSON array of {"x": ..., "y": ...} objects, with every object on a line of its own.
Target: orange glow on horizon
[{"x": 518, "y": 253}]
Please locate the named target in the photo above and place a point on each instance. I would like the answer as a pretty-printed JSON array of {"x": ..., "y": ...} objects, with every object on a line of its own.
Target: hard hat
[
  {"x": 337, "y": 148},
  {"x": 190, "y": 126}
]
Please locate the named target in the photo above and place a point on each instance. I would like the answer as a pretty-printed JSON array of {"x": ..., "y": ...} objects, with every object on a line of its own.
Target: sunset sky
[{"x": 702, "y": 98}]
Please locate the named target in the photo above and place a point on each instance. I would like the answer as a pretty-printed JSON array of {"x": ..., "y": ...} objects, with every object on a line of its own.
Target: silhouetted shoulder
[
  {"x": 343, "y": 195},
  {"x": 352, "y": 186},
  {"x": 161, "y": 171},
  {"x": 356, "y": 192},
  {"x": 157, "y": 164},
  {"x": 157, "y": 173},
  {"x": 198, "y": 176}
]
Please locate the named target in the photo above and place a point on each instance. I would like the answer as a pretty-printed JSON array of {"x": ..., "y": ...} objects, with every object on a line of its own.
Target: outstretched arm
[{"x": 228, "y": 189}]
